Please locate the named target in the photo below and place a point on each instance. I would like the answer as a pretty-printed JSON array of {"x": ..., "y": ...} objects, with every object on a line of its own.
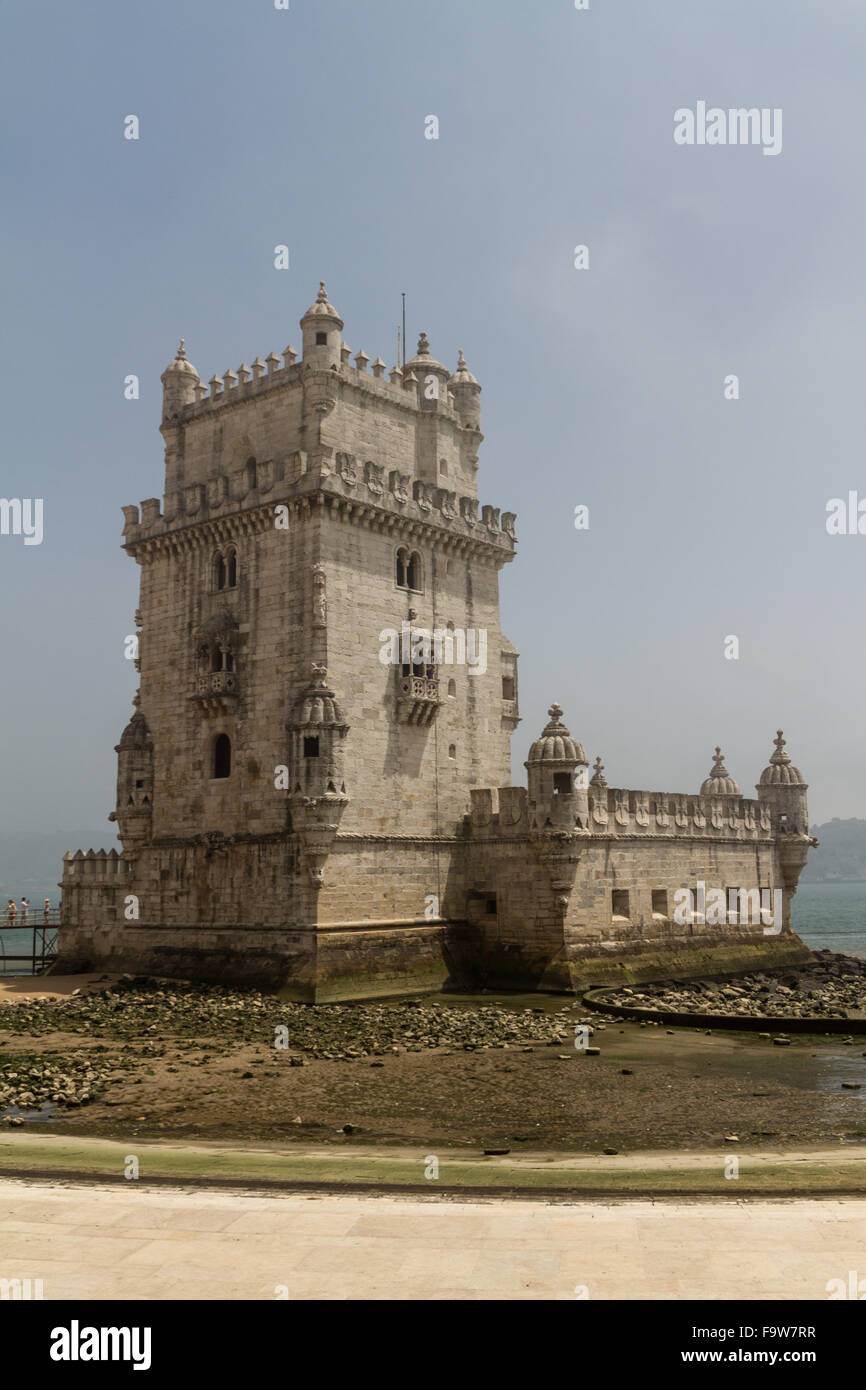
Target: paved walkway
[{"x": 146, "y": 1243}]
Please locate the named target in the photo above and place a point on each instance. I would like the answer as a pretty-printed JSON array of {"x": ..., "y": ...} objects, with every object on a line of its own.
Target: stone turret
[
  {"x": 719, "y": 782},
  {"x": 467, "y": 395},
  {"x": 782, "y": 788},
  {"x": 558, "y": 769},
  {"x": 179, "y": 382},
  {"x": 134, "y": 810},
  {"x": 322, "y": 328},
  {"x": 432, "y": 376},
  {"x": 317, "y": 771}
]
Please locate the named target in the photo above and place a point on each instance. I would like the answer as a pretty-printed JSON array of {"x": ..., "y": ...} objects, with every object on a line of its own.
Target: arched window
[
  {"x": 443, "y": 467},
  {"x": 232, "y": 569},
  {"x": 402, "y": 557},
  {"x": 452, "y": 750},
  {"x": 222, "y": 756},
  {"x": 452, "y": 689},
  {"x": 413, "y": 572},
  {"x": 219, "y": 573}
]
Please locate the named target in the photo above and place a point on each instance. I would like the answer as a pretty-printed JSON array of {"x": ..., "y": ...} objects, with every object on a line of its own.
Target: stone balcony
[
  {"x": 216, "y": 691},
  {"x": 418, "y": 700}
]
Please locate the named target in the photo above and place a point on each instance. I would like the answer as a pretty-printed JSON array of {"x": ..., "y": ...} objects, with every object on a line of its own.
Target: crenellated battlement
[
  {"x": 95, "y": 866},
  {"x": 230, "y": 499},
  {"x": 618, "y": 812}
]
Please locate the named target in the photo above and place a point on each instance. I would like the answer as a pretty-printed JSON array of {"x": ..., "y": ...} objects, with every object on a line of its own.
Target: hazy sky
[{"x": 602, "y": 387}]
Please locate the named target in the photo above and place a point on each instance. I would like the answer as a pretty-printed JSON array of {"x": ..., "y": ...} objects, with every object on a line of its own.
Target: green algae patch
[{"x": 98, "y": 1160}]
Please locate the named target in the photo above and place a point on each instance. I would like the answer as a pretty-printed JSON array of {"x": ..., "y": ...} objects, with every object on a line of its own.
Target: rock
[
  {"x": 495, "y": 1153},
  {"x": 610, "y": 1151},
  {"x": 781, "y": 1042},
  {"x": 626, "y": 1071},
  {"x": 591, "y": 1051},
  {"x": 850, "y": 1085}
]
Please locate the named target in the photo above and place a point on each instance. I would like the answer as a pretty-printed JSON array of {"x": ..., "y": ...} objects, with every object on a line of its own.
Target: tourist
[
  {"x": 11, "y": 913},
  {"x": 24, "y": 906},
  {"x": 46, "y": 911}
]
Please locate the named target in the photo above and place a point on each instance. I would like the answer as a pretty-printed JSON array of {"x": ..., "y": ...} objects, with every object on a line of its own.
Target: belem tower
[{"x": 293, "y": 810}]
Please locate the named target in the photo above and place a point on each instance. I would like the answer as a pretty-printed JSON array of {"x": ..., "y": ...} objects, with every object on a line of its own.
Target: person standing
[
  {"x": 46, "y": 911},
  {"x": 25, "y": 904},
  {"x": 11, "y": 913}
]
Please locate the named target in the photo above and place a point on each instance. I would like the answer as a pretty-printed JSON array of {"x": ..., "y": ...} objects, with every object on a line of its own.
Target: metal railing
[{"x": 42, "y": 926}]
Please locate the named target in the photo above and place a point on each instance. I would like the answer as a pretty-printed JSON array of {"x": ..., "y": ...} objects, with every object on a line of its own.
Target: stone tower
[{"x": 323, "y": 673}]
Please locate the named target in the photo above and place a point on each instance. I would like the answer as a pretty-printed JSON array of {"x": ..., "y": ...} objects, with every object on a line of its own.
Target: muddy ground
[{"x": 650, "y": 1088}]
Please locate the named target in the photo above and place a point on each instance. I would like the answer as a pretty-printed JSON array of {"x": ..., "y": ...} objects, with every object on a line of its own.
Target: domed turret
[
  {"x": 318, "y": 732},
  {"x": 432, "y": 376},
  {"x": 782, "y": 788},
  {"x": 179, "y": 381},
  {"x": 720, "y": 782},
  {"x": 781, "y": 771},
  {"x": 321, "y": 328},
  {"x": 134, "y": 809},
  {"x": 467, "y": 395},
  {"x": 557, "y": 767}
]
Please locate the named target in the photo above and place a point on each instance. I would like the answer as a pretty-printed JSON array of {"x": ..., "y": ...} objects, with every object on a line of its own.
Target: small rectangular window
[
  {"x": 321, "y": 340},
  {"x": 660, "y": 902},
  {"x": 508, "y": 687},
  {"x": 562, "y": 783},
  {"x": 619, "y": 903},
  {"x": 311, "y": 747}
]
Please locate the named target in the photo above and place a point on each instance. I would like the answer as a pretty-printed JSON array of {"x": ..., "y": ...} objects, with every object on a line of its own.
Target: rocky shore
[{"x": 832, "y": 987}]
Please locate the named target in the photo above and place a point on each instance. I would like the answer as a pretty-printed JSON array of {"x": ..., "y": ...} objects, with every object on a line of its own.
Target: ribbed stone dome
[
  {"x": 462, "y": 376},
  {"x": 322, "y": 309},
  {"x": 422, "y": 361},
  {"x": 180, "y": 367},
  {"x": 136, "y": 734},
  {"x": 556, "y": 744},
  {"x": 317, "y": 706},
  {"x": 781, "y": 771},
  {"x": 720, "y": 782}
]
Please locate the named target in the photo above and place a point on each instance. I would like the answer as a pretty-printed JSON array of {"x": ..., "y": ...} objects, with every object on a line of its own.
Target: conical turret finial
[
  {"x": 780, "y": 756},
  {"x": 598, "y": 778}
]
